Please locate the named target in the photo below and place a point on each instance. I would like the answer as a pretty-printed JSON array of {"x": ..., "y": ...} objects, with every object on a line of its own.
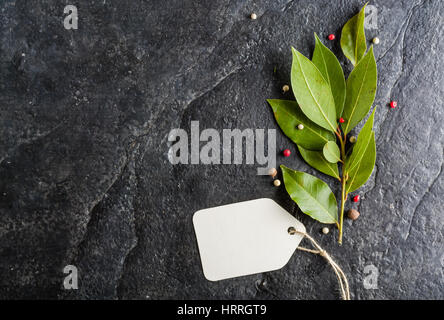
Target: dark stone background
[{"x": 85, "y": 115}]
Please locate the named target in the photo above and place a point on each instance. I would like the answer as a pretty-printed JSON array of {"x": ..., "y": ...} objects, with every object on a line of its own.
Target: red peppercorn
[
  {"x": 356, "y": 198},
  {"x": 341, "y": 120},
  {"x": 393, "y": 104},
  {"x": 331, "y": 37},
  {"x": 287, "y": 152}
]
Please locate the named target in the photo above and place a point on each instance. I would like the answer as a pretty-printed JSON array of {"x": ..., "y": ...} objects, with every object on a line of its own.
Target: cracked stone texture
[{"x": 85, "y": 115}]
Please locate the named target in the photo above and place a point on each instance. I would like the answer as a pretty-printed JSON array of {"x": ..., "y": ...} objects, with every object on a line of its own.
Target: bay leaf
[
  {"x": 360, "y": 92},
  {"x": 316, "y": 160},
  {"x": 361, "y": 144},
  {"x": 288, "y": 116},
  {"x": 312, "y": 92},
  {"x": 331, "y": 152},
  {"x": 331, "y": 69},
  {"x": 353, "y": 41},
  {"x": 312, "y": 195},
  {"x": 359, "y": 175}
]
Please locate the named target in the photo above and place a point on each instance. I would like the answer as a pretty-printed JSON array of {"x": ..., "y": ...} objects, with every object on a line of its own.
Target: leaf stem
[
  {"x": 343, "y": 199},
  {"x": 343, "y": 187}
]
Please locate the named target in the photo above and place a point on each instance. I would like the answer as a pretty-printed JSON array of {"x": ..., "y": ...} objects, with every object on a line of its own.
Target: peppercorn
[
  {"x": 356, "y": 198},
  {"x": 272, "y": 172},
  {"x": 353, "y": 214},
  {"x": 393, "y": 104},
  {"x": 331, "y": 37},
  {"x": 253, "y": 16},
  {"x": 325, "y": 230},
  {"x": 341, "y": 120},
  {"x": 375, "y": 40},
  {"x": 285, "y": 88},
  {"x": 287, "y": 152},
  {"x": 277, "y": 182},
  {"x": 300, "y": 126}
]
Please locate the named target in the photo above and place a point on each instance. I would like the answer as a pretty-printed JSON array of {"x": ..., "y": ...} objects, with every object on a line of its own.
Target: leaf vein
[
  {"x": 329, "y": 165},
  {"x": 325, "y": 65}
]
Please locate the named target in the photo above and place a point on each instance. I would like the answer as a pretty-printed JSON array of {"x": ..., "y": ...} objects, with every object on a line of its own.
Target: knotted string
[{"x": 340, "y": 275}]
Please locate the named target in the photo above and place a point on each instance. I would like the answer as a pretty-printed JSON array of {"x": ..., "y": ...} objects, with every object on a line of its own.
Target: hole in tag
[{"x": 291, "y": 230}]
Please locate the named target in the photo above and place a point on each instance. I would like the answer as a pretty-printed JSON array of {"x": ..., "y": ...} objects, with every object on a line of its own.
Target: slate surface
[{"x": 85, "y": 115}]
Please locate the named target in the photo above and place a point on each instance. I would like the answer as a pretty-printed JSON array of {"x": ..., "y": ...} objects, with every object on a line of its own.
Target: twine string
[{"x": 340, "y": 275}]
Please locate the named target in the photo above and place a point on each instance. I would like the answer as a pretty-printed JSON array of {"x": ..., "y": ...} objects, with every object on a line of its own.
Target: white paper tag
[{"x": 245, "y": 238}]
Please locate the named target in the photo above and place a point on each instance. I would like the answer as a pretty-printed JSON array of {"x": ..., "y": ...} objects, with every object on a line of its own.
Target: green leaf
[
  {"x": 331, "y": 152},
  {"x": 353, "y": 41},
  {"x": 331, "y": 69},
  {"x": 361, "y": 144},
  {"x": 316, "y": 160},
  {"x": 361, "y": 91},
  {"x": 312, "y": 92},
  {"x": 288, "y": 115},
  {"x": 312, "y": 195},
  {"x": 363, "y": 170}
]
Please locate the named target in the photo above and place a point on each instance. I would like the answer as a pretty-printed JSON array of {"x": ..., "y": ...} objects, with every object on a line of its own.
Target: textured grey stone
[{"x": 84, "y": 174}]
